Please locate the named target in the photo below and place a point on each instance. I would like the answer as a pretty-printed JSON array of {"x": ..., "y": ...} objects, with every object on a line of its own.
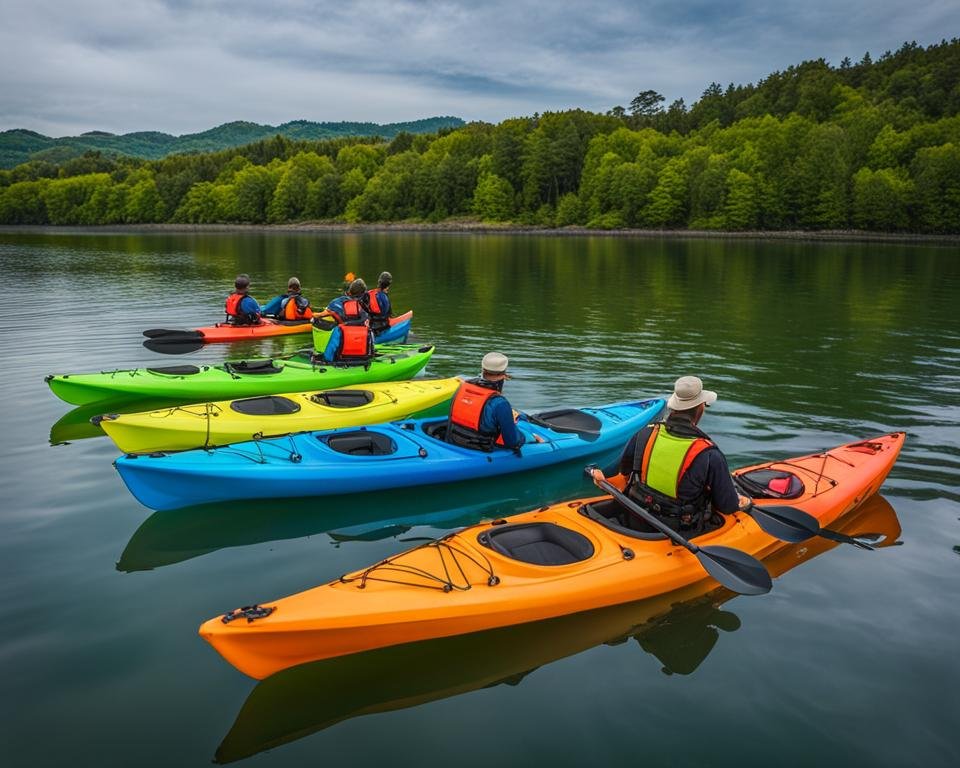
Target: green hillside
[
  {"x": 869, "y": 146},
  {"x": 20, "y": 146}
]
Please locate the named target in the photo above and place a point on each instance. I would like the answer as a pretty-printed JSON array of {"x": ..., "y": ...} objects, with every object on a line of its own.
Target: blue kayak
[{"x": 395, "y": 455}]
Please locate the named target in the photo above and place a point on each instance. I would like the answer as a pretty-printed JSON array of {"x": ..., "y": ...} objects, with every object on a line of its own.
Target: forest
[{"x": 872, "y": 145}]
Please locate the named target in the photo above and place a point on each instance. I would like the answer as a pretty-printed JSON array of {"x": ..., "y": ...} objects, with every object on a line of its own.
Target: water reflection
[
  {"x": 172, "y": 536},
  {"x": 76, "y": 425},
  {"x": 680, "y": 629}
]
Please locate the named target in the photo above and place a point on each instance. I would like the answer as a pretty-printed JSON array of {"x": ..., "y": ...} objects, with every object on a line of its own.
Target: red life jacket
[
  {"x": 373, "y": 303},
  {"x": 463, "y": 428},
  {"x": 232, "y": 308},
  {"x": 353, "y": 312},
  {"x": 296, "y": 307},
  {"x": 356, "y": 344},
  {"x": 379, "y": 319}
]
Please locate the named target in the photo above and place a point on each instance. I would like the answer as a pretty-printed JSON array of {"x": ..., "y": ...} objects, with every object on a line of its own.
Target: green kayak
[{"x": 232, "y": 379}]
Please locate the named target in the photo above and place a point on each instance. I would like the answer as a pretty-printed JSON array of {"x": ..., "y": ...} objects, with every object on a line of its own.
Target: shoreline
[{"x": 477, "y": 228}]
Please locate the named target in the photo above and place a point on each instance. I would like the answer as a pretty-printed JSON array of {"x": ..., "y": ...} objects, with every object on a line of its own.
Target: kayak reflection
[
  {"x": 76, "y": 425},
  {"x": 173, "y": 536},
  {"x": 679, "y": 629}
]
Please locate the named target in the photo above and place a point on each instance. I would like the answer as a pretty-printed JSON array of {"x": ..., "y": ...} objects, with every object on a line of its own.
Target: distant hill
[{"x": 20, "y": 145}]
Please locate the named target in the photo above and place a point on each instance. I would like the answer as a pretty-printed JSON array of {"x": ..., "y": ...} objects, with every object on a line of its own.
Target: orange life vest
[
  {"x": 463, "y": 428},
  {"x": 292, "y": 308},
  {"x": 232, "y": 308}
]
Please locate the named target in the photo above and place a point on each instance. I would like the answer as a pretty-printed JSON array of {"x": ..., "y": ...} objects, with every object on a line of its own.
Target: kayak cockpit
[{"x": 538, "y": 543}]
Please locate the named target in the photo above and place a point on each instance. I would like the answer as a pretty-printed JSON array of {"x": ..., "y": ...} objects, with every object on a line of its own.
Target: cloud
[{"x": 186, "y": 65}]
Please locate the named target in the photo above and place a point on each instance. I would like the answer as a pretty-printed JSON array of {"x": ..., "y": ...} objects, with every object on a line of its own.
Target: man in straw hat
[
  {"x": 480, "y": 416},
  {"x": 675, "y": 470}
]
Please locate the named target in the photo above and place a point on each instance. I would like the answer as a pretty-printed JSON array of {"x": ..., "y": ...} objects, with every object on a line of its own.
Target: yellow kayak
[{"x": 230, "y": 421}]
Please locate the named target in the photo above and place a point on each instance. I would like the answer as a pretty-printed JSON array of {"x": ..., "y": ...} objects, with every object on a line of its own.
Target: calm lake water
[{"x": 852, "y": 659}]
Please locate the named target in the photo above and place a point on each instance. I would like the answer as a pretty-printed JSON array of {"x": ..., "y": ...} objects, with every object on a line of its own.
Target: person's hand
[{"x": 516, "y": 415}]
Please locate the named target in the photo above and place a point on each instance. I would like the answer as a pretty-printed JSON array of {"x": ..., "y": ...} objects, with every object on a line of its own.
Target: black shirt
[{"x": 709, "y": 470}]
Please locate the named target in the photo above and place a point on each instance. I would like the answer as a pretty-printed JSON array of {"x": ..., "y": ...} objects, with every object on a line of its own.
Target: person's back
[
  {"x": 294, "y": 306},
  {"x": 240, "y": 307},
  {"x": 674, "y": 469},
  {"x": 480, "y": 416},
  {"x": 351, "y": 341},
  {"x": 377, "y": 303}
]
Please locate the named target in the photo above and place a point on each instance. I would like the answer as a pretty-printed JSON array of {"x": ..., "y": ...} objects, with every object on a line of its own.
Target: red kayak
[{"x": 164, "y": 340}]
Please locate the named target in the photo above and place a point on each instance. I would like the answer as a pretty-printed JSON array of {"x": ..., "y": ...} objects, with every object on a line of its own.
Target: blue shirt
[
  {"x": 497, "y": 416},
  {"x": 337, "y": 305},
  {"x": 273, "y": 307},
  {"x": 384, "y": 302},
  {"x": 248, "y": 306}
]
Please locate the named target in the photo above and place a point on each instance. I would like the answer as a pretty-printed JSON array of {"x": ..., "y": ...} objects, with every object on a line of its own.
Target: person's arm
[
  {"x": 503, "y": 418},
  {"x": 385, "y": 304},
  {"x": 723, "y": 493},
  {"x": 250, "y": 306},
  {"x": 330, "y": 351}
]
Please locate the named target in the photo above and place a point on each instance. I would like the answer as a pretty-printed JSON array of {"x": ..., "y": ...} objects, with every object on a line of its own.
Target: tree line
[{"x": 873, "y": 146}]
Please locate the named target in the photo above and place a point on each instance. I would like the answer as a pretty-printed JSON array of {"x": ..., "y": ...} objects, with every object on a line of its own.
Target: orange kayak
[
  {"x": 267, "y": 327},
  {"x": 562, "y": 559},
  {"x": 312, "y": 697}
]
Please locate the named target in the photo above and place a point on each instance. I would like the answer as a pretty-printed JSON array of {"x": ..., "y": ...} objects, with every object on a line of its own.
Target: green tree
[
  {"x": 493, "y": 198},
  {"x": 882, "y": 199}
]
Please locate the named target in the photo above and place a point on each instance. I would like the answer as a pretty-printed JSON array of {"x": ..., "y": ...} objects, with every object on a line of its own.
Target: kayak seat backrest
[
  {"x": 538, "y": 543},
  {"x": 568, "y": 420},
  {"x": 771, "y": 484},
  {"x": 436, "y": 429},
  {"x": 361, "y": 443},
  {"x": 271, "y": 405},
  {"x": 610, "y": 514},
  {"x": 176, "y": 370},
  {"x": 343, "y": 398},
  {"x": 253, "y": 366}
]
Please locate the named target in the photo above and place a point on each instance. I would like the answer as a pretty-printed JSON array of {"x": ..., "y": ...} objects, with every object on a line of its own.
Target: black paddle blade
[
  {"x": 169, "y": 345},
  {"x": 160, "y": 333},
  {"x": 736, "y": 570},
  {"x": 785, "y": 523}
]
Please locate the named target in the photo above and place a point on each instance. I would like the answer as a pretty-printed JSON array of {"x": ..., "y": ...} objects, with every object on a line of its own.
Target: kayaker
[
  {"x": 481, "y": 417},
  {"x": 675, "y": 470},
  {"x": 355, "y": 291},
  {"x": 351, "y": 339},
  {"x": 295, "y": 306},
  {"x": 377, "y": 303},
  {"x": 291, "y": 305},
  {"x": 241, "y": 308}
]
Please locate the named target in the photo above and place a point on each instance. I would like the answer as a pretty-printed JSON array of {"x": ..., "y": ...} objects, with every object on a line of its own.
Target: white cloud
[{"x": 186, "y": 66}]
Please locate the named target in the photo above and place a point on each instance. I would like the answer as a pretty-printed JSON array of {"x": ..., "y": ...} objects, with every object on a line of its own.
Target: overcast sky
[{"x": 182, "y": 66}]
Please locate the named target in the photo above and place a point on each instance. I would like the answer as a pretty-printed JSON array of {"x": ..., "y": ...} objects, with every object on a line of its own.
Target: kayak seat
[
  {"x": 538, "y": 543},
  {"x": 270, "y": 405},
  {"x": 176, "y": 370},
  {"x": 252, "y": 367},
  {"x": 343, "y": 398},
  {"x": 436, "y": 429},
  {"x": 611, "y": 514},
  {"x": 568, "y": 420},
  {"x": 361, "y": 443}
]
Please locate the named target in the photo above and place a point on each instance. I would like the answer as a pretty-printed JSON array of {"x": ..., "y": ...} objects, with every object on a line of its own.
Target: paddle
[
  {"x": 173, "y": 342},
  {"x": 794, "y": 525},
  {"x": 736, "y": 570}
]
